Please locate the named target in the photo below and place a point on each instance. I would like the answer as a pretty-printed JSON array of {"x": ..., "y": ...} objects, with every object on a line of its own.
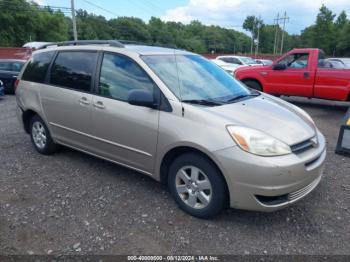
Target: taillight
[{"x": 16, "y": 84}]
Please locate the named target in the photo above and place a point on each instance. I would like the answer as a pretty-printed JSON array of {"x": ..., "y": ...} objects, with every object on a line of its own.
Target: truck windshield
[{"x": 193, "y": 78}]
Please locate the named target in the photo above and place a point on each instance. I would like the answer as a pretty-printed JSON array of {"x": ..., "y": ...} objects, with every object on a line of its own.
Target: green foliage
[
  {"x": 327, "y": 33},
  {"x": 22, "y": 21}
]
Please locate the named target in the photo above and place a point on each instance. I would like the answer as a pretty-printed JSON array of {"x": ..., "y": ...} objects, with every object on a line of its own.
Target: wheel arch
[
  {"x": 27, "y": 115},
  {"x": 173, "y": 153},
  {"x": 254, "y": 80}
]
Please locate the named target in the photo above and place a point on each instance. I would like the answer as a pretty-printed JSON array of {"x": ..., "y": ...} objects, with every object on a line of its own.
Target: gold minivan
[{"x": 174, "y": 116}]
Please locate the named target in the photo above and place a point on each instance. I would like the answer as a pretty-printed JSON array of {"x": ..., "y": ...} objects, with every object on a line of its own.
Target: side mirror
[
  {"x": 140, "y": 97},
  {"x": 279, "y": 67}
]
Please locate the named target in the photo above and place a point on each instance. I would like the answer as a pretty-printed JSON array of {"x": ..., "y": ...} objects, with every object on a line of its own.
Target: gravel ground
[{"x": 71, "y": 203}]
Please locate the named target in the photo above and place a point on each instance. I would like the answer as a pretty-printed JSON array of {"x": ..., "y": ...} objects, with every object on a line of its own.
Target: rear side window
[
  {"x": 37, "y": 67},
  {"x": 74, "y": 70}
]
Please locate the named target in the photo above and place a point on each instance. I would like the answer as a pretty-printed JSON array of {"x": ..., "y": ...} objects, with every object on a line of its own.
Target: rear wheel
[
  {"x": 41, "y": 137},
  {"x": 197, "y": 185},
  {"x": 253, "y": 85}
]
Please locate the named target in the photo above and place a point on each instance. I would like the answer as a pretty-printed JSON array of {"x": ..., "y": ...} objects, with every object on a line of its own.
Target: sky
[{"x": 226, "y": 13}]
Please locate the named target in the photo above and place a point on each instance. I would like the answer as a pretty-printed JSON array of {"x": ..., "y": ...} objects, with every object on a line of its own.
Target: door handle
[
  {"x": 99, "y": 105},
  {"x": 84, "y": 101},
  {"x": 306, "y": 75}
]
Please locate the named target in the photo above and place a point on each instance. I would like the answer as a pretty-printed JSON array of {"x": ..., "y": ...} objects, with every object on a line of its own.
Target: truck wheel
[{"x": 253, "y": 85}]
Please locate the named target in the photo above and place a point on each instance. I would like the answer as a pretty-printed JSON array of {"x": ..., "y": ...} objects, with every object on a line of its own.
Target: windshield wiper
[
  {"x": 202, "y": 102},
  {"x": 237, "y": 98}
]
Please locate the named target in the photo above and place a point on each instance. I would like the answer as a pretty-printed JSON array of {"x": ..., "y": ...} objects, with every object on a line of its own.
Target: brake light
[{"x": 16, "y": 84}]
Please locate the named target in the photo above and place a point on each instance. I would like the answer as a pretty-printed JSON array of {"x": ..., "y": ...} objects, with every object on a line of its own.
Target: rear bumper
[
  {"x": 271, "y": 183},
  {"x": 19, "y": 114}
]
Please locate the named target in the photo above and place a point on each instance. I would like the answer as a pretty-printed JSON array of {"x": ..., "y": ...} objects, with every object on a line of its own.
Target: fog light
[{"x": 343, "y": 145}]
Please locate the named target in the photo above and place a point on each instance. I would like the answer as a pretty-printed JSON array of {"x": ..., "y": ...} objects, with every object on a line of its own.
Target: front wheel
[{"x": 197, "y": 185}]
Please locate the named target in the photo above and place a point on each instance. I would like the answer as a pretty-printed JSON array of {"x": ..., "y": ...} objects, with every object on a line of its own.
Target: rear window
[
  {"x": 37, "y": 67},
  {"x": 74, "y": 70}
]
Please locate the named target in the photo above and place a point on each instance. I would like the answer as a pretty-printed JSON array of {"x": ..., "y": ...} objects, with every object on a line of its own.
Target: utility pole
[
  {"x": 276, "y": 33},
  {"x": 74, "y": 21},
  {"x": 251, "y": 46},
  {"x": 285, "y": 19},
  {"x": 258, "y": 42}
]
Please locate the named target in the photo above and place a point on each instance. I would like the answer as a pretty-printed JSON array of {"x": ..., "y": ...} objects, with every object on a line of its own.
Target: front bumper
[{"x": 271, "y": 183}]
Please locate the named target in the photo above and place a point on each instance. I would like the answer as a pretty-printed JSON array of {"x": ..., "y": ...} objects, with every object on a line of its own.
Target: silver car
[{"x": 176, "y": 117}]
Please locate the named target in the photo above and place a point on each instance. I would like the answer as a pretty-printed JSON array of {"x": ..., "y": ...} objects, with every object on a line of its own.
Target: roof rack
[
  {"x": 130, "y": 42},
  {"x": 113, "y": 43}
]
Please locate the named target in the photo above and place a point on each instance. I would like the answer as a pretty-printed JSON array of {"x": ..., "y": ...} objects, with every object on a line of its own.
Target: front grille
[
  {"x": 302, "y": 146},
  {"x": 304, "y": 191}
]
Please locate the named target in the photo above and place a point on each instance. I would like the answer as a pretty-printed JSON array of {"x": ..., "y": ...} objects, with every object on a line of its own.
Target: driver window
[
  {"x": 297, "y": 60},
  {"x": 119, "y": 75}
]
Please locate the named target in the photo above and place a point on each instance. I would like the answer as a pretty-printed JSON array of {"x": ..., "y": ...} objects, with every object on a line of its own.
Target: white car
[
  {"x": 238, "y": 60},
  {"x": 344, "y": 61},
  {"x": 230, "y": 68},
  {"x": 35, "y": 45}
]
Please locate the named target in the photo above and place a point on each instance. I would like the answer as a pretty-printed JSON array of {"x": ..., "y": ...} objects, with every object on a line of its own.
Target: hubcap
[
  {"x": 39, "y": 135},
  {"x": 193, "y": 187}
]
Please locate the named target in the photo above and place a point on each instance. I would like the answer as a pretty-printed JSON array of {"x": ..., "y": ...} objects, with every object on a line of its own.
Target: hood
[
  {"x": 266, "y": 114},
  {"x": 255, "y": 68}
]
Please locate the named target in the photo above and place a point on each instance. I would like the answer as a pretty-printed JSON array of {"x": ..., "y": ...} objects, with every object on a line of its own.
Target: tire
[
  {"x": 41, "y": 137},
  {"x": 253, "y": 85},
  {"x": 184, "y": 191}
]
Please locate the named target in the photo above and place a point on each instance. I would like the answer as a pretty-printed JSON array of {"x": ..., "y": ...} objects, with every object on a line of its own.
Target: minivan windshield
[{"x": 195, "y": 79}]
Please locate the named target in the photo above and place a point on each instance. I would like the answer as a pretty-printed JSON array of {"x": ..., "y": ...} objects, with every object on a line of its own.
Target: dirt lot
[{"x": 71, "y": 203}]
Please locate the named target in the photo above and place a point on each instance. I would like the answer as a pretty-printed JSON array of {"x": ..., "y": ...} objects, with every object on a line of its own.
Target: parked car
[
  {"x": 9, "y": 70},
  {"x": 343, "y": 61},
  {"x": 264, "y": 61},
  {"x": 230, "y": 68},
  {"x": 35, "y": 45},
  {"x": 176, "y": 117},
  {"x": 328, "y": 63},
  {"x": 300, "y": 72},
  {"x": 2, "y": 89},
  {"x": 238, "y": 60}
]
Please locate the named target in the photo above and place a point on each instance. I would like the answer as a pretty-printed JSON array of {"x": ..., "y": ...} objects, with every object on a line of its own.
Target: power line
[
  {"x": 100, "y": 7},
  {"x": 22, "y": 10},
  {"x": 142, "y": 5}
]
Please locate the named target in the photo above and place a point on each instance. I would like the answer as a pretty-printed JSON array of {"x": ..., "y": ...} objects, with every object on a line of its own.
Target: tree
[{"x": 251, "y": 24}]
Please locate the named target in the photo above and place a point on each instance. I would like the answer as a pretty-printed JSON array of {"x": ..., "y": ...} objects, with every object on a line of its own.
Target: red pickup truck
[{"x": 300, "y": 72}]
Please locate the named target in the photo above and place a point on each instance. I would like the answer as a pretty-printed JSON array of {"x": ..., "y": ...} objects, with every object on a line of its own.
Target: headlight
[{"x": 257, "y": 142}]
